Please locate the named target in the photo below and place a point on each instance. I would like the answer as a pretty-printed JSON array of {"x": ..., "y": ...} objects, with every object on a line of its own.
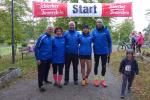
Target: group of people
[
  {"x": 137, "y": 41},
  {"x": 70, "y": 46},
  {"x": 64, "y": 48}
]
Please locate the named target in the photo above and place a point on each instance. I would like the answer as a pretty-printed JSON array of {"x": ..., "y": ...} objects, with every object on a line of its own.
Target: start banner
[
  {"x": 117, "y": 9},
  {"x": 48, "y": 9}
]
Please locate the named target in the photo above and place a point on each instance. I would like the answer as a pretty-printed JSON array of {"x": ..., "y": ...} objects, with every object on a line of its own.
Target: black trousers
[
  {"x": 126, "y": 80},
  {"x": 133, "y": 46},
  {"x": 43, "y": 71},
  {"x": 58, "y": 68},
  {"x": 103, "y": 64},
  {"x": 139, "y": 48},
  {"x": 74, "y": 59}
]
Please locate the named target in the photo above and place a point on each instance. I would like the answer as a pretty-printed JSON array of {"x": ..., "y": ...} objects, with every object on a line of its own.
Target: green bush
[{"x": 24, "y": 44}]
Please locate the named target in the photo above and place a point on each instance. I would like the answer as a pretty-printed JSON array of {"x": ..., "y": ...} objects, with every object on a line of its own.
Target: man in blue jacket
[
  {"x": 43, "y": 54},
  {"x": 71, "y": 38},
  {"x": 102, "y": 46}
]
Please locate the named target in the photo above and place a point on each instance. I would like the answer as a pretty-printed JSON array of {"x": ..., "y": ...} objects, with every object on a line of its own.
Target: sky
[{"x": 139, "y": 11}]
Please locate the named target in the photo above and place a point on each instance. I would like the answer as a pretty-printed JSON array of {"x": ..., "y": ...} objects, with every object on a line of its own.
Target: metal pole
[
  {"x": 12, "y": 37},
  {"x": 119, "y": 39}
]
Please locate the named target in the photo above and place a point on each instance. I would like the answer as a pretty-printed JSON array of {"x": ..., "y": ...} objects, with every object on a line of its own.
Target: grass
[
  {"x": 27, "y": 65},
  {"x": 141, "y": 85},
  {"x": 5, "y": 50},
  {"x": 146, "y": 49}
]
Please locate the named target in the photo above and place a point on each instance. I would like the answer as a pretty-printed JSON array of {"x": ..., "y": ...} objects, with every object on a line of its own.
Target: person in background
[
  {"x": 133, "y": 39},
  {"x": 43, "y": 54},
  {"x": 31, "y": 46},
  {"x": 128, "y": 69},
  {"x": 85, "y": 52},
  {"x": 71, "y": 56},
  {"x": 102, "y": 46},
  {"x": 140, "y": 41},
  {"x": 58, "y": 56}
]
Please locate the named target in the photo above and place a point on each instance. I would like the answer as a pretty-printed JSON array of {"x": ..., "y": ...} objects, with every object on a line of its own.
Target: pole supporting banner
[{"x": 12, "y": 37}]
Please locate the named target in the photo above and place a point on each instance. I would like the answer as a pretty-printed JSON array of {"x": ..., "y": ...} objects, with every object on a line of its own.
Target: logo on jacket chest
[
  {"x": 47, "y": 41},
  {"x": 100, "y": 35}
]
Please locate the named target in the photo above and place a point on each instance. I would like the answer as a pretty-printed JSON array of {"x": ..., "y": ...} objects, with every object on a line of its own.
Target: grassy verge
[
  {"x": 27, "y": 65},
  {"x": 146, "y": 49},
  {"x": 141, "y": 85},
  {"x": 5, "y": 50}
]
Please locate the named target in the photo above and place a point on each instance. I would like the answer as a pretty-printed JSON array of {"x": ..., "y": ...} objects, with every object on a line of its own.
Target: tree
[
  {"x": 40, "y": 27},
  {"x": 147, "y": 32},
  {"x": 148, "y": 12},
  {"x": 20, "y": 10},
  {"x": 124, "y": 29}
]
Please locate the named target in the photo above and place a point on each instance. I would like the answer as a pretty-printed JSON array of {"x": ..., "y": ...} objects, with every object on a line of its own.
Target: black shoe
[
  {"x": 122, "y": 97},
  {"x": 42, "y": 89},
  {"x": 129, "y": 91},
  {"x": 55, "y": 84},
  {"x": 75, "y": 82},
  {"x": 60, "y": 86},
  {"x": 66, "y": 83},
  {"x": 48, "y": 82}
]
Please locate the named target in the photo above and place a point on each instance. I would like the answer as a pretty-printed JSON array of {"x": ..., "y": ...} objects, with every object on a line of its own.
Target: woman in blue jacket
[
  {"x": 102, "y": 46},
  {"x": 58, "y": 56},
  {"x": 85, "y": 51}
]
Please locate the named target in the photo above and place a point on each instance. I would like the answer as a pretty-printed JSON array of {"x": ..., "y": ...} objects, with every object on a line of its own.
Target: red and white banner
[
  {"x": 117, "y": 9},
  {"x": 47, "y": 9}
]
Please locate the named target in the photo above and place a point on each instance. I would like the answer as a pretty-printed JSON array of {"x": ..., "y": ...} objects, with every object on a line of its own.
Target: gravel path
[{"x": 26, "y": 89}]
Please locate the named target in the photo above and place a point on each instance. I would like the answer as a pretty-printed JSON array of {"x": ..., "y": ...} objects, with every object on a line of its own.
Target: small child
[{"x": 128, "y": 69}]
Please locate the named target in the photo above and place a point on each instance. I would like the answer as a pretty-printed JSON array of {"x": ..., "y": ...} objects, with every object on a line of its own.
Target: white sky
[{"x": 139, "y": 11}]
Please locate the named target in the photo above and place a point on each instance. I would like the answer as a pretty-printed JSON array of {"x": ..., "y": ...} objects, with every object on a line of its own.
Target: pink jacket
[{"x": 140, "y": 39}]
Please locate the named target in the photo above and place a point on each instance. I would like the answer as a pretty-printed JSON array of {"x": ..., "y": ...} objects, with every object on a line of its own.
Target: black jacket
[{"x": 134, "y": 66}]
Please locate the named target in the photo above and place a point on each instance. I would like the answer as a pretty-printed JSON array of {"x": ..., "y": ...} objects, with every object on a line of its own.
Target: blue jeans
[{"x": 126, "y": 79}]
